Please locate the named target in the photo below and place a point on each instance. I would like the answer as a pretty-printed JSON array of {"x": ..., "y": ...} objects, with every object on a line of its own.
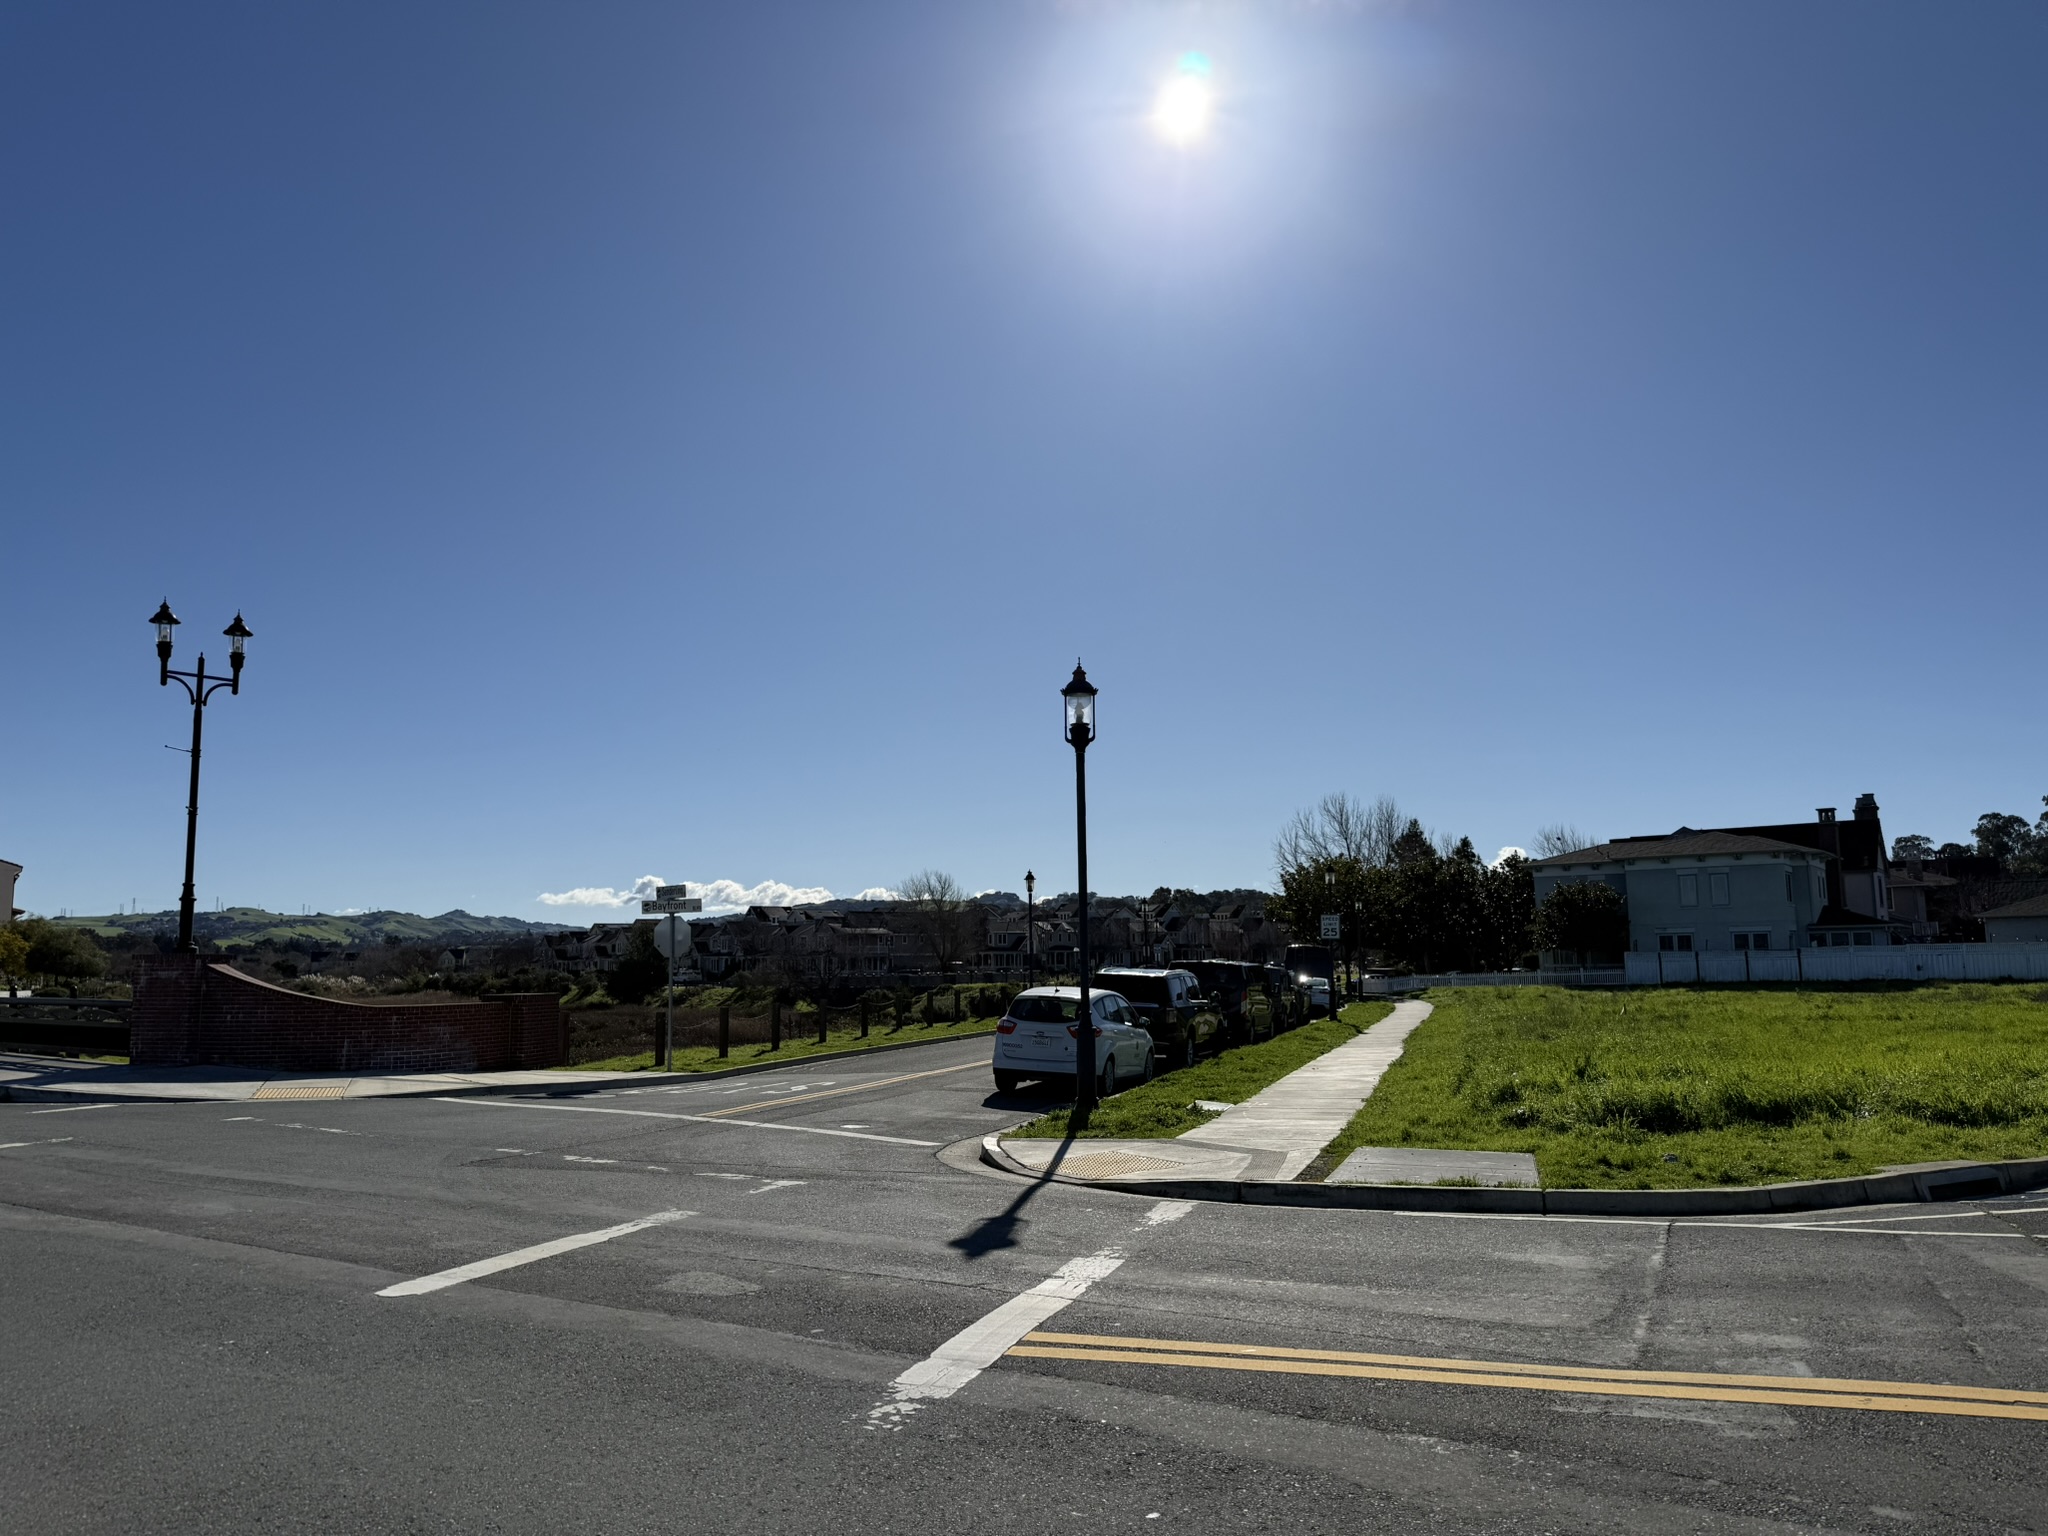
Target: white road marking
[
  {"x": 231, "y": 1119},
  {"x": 777, "y": 1184},
  {"x": 663, "y": 1114},
  {"x": 977, "y": 1347},
  {"x": 725, "y": 1175},
  {"x": 1864, "y": 1221},
  {"x": 519, "y": 1256},
  {"x": 47, "y": 1141},
  {"x": 1165, "y": 1211},
  {"x": 70, "y": 1109},
  {"x": 571, "y": 1157}
]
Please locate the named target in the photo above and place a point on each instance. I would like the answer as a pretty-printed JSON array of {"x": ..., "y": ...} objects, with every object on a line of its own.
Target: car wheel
[
  {"x": 1185, "y": 1056},
  {"x": 1151, "y": 1069},
  {"x": 1006, "y": 1082},
  {"x": 1108, "y": 1084}
]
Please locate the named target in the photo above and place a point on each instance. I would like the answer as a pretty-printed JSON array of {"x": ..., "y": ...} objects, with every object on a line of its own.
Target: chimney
[
  {"x": 1866, "y": 807},
  {"x": 1826, "y": 814}
]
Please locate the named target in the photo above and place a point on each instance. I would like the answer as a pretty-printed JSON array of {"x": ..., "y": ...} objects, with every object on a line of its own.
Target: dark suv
[
  {"x": 1171, "y": 1008},
  {"x": 1251, "y": 998}
]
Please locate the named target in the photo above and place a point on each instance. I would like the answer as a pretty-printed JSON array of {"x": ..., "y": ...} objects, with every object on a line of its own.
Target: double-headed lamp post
[
  {"x": 199, "y": 687},
  {"x": 1080, "y": 700}
]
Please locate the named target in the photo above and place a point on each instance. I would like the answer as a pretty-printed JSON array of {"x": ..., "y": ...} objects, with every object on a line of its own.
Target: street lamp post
[
  {"x": 1030, "y": 929},
  {"x": 199, "y": 687},
  {"x": 1080, "y": 701}
]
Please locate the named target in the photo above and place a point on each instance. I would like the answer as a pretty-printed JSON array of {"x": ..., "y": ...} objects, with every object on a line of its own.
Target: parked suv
[
  {"x": 1171, "y": 1008},
  {"x": 1251, "y": 998}
]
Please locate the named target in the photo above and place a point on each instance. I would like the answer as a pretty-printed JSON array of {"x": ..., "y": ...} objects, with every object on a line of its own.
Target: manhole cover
[
  {"x": 300, "y": 1091},
  {"x": 1111, "y": 1165}
]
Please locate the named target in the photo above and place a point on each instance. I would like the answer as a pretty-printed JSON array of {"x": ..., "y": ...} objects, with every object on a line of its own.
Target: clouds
[{"x": 718, "y": 895}]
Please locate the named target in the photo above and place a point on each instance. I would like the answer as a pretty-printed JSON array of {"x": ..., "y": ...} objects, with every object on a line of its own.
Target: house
[
  {"x": 9, "y": 873},
  {"x": 2023, "y": 922},
  {"x": 1704, "y": 890},
  {"x": 1859, "y": 876}
]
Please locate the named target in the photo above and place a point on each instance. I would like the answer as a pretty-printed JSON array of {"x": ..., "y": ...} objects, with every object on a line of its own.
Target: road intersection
[{"x": 797, "y": 1302}]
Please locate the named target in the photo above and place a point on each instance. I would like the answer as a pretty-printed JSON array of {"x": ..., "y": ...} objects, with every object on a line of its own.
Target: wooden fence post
[
  {"x": 863, "y": 1015},
  {"x": 775, "y": 1021},
  {"x": 724, "y": 1029}
]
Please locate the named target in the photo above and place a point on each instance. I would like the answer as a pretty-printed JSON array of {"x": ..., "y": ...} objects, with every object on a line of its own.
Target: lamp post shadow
[{"x": 1003, "y": 1230}]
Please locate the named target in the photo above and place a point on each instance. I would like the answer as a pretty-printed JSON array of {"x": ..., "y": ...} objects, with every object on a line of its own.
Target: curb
[
  {"x": 530, "y": 1090},
  {"x": 1954, "y": 1181}
]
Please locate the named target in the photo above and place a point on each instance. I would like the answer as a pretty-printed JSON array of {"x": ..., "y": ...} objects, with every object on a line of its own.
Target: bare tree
[
  {"x": 1561, "y": 837},
  {"x": 940, "y": 914},
  {"x": 1340, "y": 828}
]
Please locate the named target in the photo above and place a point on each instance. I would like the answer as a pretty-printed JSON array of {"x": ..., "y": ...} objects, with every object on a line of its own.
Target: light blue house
[{"x": 1704, "y": 890}]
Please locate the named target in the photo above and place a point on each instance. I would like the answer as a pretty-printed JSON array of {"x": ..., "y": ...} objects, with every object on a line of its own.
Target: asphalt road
[{"x": 196, "y": 1339}]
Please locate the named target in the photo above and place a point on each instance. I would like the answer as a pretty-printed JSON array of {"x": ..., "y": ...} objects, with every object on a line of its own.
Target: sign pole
[{"x": 667, "y": 901}]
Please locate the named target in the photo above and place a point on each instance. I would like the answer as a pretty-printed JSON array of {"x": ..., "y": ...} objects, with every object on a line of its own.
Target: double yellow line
[{"x": 1698, "y": 1386}]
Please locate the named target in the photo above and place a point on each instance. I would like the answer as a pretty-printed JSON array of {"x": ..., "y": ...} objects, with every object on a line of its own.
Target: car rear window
[
  {"x": 1046, "y": 1010},
  {"x": 1144, "y": 991}
]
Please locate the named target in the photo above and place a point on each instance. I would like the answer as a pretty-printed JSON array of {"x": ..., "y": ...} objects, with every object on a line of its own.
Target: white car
[{"x": 1038, "y": 1034}]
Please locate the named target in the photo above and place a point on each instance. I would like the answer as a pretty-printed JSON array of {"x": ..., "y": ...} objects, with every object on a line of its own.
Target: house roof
[
  {"x": 2033, "y": 906},
  {"x": 1684, "y": 843},
  {"x": 1832, "y": 916}
]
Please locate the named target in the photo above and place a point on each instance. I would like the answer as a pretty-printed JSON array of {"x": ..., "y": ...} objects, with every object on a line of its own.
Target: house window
[
  {"x": 1688, "y": 890},
  {"x": 1675, "y": 942},
  {"x": 1788, "y": 885},
  {"x": 1717, "y": 890},
  {"x": 1862, "y": 938},
  {"x": 1752, "y": 941}
]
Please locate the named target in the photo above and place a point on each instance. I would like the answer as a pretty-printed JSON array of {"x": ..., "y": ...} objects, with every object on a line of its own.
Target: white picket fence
[
  {"x": 1588, "y": 976},
  {"x": 1725, "y": 967},
  {"x": 1853, "y": 962}
]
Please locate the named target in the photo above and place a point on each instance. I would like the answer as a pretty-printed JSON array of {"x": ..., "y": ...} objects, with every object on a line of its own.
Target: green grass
[
  {"x": 796, "y": 1045},
  {"x": 1165, "y": 1106},
  {"x": 1675, "y": 1089}
]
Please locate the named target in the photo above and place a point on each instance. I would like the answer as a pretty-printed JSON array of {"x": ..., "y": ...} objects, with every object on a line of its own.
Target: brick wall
[{"x": 191, "y": 1011}]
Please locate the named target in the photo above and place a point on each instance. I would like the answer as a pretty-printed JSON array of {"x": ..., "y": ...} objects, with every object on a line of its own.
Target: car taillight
[
  {"x": 1006, "y": 1027},
  {"x": 1075, "y": 1030}
]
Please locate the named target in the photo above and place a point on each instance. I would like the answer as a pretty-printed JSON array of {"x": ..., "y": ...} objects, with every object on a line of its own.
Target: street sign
[
  {"x": 681, "y": 941},
  {"x": 1332, "y": 927},
  {"x": 671, "y": 892},
  {"x": 662, "y": 904}
]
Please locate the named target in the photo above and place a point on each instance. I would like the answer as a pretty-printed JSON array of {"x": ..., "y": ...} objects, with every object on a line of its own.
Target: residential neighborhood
[{"x": 1104, "y": 767}]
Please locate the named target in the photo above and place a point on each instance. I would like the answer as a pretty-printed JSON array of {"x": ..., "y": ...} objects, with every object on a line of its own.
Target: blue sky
[{"x": 697, "y": 440}]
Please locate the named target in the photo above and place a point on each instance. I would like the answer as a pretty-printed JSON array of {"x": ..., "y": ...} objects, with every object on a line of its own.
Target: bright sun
[{"x": 1181, "y": 114}]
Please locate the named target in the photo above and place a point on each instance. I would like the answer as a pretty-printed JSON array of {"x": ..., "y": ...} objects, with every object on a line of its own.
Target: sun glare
[{"x": 1181, "y": 114}]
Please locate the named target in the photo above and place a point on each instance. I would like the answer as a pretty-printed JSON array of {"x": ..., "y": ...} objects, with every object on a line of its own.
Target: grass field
[
  {"x": 1165, "y": 1106},
  {"x": 1681, "y": 1088},
  {"x": 796, "y": 1044}
]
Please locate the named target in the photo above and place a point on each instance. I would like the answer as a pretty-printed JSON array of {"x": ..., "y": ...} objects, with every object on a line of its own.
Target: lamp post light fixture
[
  {"x": 199, "y": 686},
  {"x": 1079, "y": 695},
  {"x": 1030, "y": 929}
]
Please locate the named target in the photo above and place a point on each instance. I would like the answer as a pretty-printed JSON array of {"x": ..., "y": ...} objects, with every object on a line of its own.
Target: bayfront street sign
[{"x": 670, "y": 898}]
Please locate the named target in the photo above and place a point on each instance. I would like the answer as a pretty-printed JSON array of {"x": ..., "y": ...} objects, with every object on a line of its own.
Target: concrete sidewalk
[
  {"x": 53, "y": 1078},
  {"x": 1272, "y": 1135}
]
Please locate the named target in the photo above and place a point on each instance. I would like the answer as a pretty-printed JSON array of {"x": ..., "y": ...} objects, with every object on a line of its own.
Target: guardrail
[{"x": 70, "y": 1026}]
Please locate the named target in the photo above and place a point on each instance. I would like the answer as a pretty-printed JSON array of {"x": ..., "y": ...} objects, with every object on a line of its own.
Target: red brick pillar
[
  {"x": 539, "y": 1029},
  {"x": 163, "y": 1027}
]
